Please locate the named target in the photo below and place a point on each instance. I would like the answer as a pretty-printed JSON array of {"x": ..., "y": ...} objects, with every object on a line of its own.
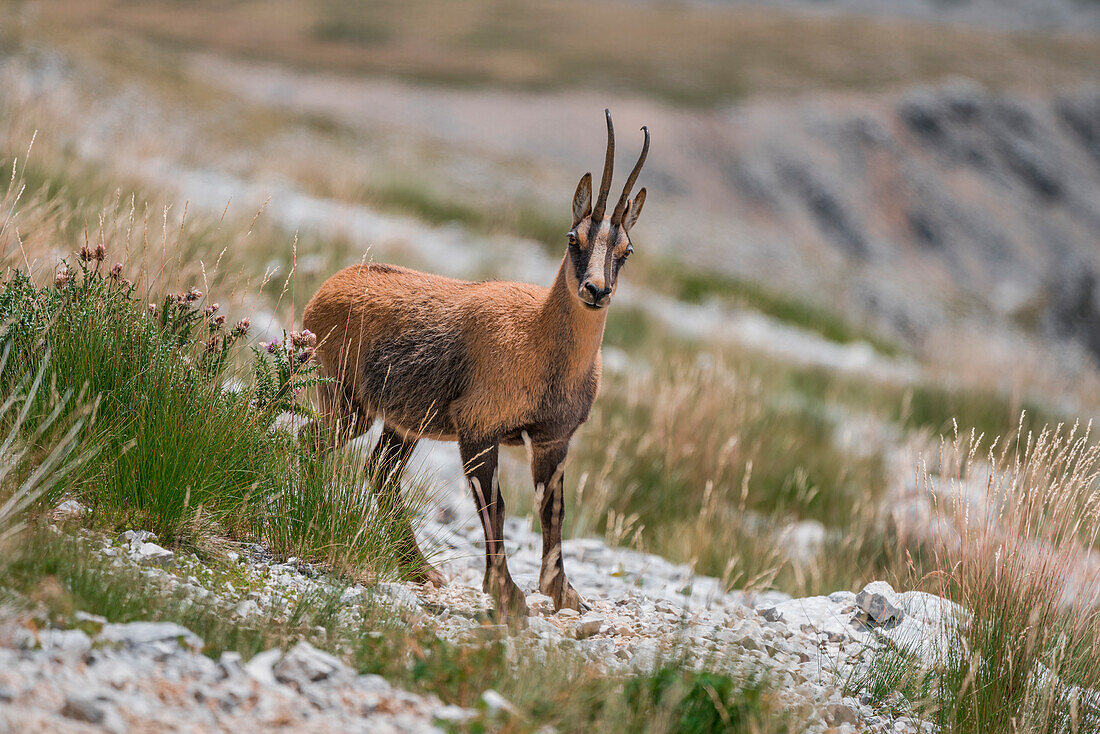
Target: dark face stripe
[{"x": 581, "y": 257}]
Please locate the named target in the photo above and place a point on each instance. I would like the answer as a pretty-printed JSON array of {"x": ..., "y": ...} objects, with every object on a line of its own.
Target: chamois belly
[{"x": 412, "y": 379}]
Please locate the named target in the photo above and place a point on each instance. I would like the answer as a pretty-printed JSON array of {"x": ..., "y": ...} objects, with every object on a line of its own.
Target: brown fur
[
  {"x": 481, "y": 364},
  {"x": 436, "y": 357}
]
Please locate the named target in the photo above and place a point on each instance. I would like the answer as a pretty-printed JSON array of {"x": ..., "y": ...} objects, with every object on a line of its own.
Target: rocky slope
[{"x": 119, "y": 677}]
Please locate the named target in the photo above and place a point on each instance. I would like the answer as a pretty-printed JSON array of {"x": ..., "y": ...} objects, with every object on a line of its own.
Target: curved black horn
[
  {"x": 608, "y": 170},
  {"x": 620, "y": 208}
]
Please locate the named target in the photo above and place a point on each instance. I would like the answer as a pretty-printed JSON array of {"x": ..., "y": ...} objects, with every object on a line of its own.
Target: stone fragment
[
  {"x": 540, "y": 604},
  {"x": 154, "y": 637},
  {"x": 68, "y": 640},
  {"x": 568, "y": 613},
  {"x": 452, "y": 715},
  {"x": 880, "y": 603},
  {"x": 306, "y": 664},
  {"x": 229, "y": 664},
  {"x": 96, "y": 710},
  {"x": 748, "y": 642},
  {"x": 623, "y": 629},
  {"x": 151, "y": 553},
  {"x": 130, "y": 537},
  {"x": 261, "y": 666},
  {"x": 542, "y": 628},
  {"x": 497, "y": 704},
  {"x": 246, "y": 608},
  {"x": 69, "y": 510},
  {"x": 841, "y": 713},
  {"x": 397, "y": 595},
  {"x": 588, "y": 625}
]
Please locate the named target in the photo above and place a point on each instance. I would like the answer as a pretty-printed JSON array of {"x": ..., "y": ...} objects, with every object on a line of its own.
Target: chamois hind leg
[
  {"x": 389, "y": 459},
  {"x": 548, "y": 471},
  {"x": 479, "y": 460},
  {"x": 341, "y": 419}
]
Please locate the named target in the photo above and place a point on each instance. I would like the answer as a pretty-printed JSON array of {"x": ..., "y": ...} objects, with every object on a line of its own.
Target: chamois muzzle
[{"x": 594, "y": 296}]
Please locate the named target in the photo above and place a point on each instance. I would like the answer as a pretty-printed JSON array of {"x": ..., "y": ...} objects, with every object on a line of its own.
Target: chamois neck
[{"x": 576, "y": 329}]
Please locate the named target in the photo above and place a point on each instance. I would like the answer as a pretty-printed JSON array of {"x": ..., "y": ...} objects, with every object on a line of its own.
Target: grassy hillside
[{"x": 695, "y": 54}]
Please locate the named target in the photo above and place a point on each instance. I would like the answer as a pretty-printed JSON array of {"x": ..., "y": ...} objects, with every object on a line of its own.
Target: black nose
[{"x": 597, "y": 293}]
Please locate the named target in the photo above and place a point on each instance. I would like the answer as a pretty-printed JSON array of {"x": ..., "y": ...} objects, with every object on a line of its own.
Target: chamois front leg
[
  {"x": 548, "y": 471},
  {"x": 479, "y": 460}
]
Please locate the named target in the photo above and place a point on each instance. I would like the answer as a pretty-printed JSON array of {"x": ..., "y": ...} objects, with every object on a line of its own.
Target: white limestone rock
[
  {"x": 496, "y": 704},
  {"x": 880, "y": 603},
  {"x": 305, "y": 664},
  {"x": 589, "y": 624},
  {"x": 155, "y": 637},
  {"x": 69, "y": 510}
]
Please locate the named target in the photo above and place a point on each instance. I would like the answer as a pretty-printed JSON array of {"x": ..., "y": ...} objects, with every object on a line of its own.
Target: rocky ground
[
  {"x": 120, "y": 677},
  {"x": 144, "y": 675},
  {"x": 644, "y": 609}
]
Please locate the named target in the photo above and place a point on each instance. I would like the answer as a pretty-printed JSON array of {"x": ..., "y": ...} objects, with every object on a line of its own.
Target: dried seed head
[
  {"x": 100, "y": 252},
  {"x": 152, "y": 309},
  {"x": 242, "y": 326},
  {"x": 116, "y": 271},
  {"x": 63, "y": 276},
  {"x": 86, "y": 254},
  {"x": 193, "y": 294}
]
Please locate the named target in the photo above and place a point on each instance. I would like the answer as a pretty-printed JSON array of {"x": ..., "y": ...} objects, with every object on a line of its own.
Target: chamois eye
[{"x": 572, "y": 239}]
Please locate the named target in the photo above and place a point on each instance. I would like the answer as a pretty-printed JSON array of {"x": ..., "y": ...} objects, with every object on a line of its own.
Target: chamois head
[{"x": 598, "y": 244}]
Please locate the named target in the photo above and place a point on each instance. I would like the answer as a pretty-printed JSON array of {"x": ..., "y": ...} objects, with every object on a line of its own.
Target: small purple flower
[
  {"x": 272, "y": 346},
  {"x": 116, "y": 271}
]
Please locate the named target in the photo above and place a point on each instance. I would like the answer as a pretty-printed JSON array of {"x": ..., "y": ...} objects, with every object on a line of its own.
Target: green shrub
[{"x": 176, "y": 451}]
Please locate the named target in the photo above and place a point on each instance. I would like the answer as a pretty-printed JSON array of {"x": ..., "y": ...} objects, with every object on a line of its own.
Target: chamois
[{"x": 482, "y": 364}]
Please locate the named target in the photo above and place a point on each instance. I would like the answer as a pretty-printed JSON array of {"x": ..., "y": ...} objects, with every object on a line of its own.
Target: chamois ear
[
  {"x": 633, "y": 210},
  {"x": 582, "y": 199}
]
